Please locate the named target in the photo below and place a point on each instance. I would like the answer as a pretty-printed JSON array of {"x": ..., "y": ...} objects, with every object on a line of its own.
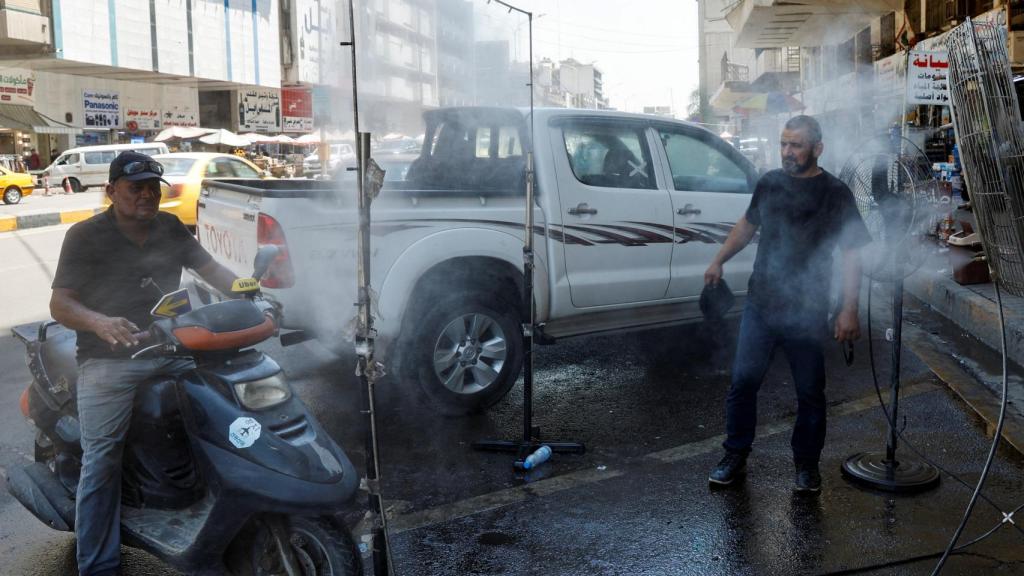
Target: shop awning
[{"x": 26, "y": 119}]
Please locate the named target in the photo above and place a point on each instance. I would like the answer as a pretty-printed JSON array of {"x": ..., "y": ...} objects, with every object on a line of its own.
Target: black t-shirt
[
  {"x": 108, "y": 271},
  {"x": 802, "y": 221}
]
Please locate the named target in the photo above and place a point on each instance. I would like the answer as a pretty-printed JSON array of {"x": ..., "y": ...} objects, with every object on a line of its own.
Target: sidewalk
[
  {"x": 958, "y": 359},
  {"x": 38, "y": 209}
]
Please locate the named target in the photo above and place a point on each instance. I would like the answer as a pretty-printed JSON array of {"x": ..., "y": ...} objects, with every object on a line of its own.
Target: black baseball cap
[
  {"x": 134, "y": 166},
  {"x": 716, "y": 300}
]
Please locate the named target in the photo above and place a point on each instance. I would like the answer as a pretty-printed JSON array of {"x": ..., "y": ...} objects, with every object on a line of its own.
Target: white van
[{"x": 88, "y": 166}]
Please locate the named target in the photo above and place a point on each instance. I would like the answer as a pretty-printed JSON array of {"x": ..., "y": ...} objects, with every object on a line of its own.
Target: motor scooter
[{"x": 224, "y": 469}]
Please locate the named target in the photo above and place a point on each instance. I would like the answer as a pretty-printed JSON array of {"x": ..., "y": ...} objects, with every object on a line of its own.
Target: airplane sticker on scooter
[{"x": 244, "y": 432}]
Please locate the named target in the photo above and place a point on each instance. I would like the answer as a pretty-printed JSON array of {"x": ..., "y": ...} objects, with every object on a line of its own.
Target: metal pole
[
  {"x": 368, "y": 369},
  {"x": 894, "y": 397},
  {"x": 528, "y": 264}
]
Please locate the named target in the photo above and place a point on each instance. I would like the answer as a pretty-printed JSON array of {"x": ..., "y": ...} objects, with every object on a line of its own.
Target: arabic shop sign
[
  {"x": 102, "y": 109},
  {"x": 928, "y": 78},
  {"x": 136, "y": 119},
  {"x": 259, "y": 110},
  {"x": 17, "y": 86},
  {"x": 297, "y": 106},
  {"x": 318, "y": 50},
  {"x": 180, "y": 116}
]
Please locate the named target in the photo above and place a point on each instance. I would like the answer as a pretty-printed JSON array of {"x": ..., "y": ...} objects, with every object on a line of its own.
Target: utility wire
[{"x": 992, "y": 450}]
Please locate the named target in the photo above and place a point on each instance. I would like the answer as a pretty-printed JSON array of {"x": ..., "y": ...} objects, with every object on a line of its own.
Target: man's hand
[
  {"x": 847, "y": 326},
  {"x": 116, "y": 331},
  {"x": 713, "y": 274}
]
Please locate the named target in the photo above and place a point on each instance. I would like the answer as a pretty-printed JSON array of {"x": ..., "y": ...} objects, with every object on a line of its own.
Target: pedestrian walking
[
  {"x": 803, "y": 214},
  {"x": 34, "y": 163}
]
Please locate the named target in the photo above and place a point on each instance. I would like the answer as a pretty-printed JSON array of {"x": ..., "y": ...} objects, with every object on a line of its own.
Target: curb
[
  {"x": 976, "y": 314},
  {"x": 24, "y": 221},
  {"x": 975, "y": 394}
]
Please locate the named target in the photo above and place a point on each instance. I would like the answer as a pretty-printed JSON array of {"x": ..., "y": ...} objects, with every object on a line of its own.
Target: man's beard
[{"x": 792, "y": 167}]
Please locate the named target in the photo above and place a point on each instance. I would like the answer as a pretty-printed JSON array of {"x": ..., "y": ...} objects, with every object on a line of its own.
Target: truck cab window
[
  {"x": 697, "y": 166},
  {"x": 609, "y": 155}
]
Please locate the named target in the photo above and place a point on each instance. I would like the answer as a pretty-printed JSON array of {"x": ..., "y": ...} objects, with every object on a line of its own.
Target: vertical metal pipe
[
  {"x": 528, "y": 263},
  {"x": 894, "y": 398},
  {"x": 368, "y": 369}
]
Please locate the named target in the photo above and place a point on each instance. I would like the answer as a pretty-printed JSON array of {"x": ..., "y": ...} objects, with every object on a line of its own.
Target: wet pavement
[
  {"x": 650, "y": 412},
  {"x": 649, "y": 407}
]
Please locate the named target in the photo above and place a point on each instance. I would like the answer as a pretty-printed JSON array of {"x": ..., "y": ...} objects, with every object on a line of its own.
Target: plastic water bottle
[{"x": 537, "y": 458}]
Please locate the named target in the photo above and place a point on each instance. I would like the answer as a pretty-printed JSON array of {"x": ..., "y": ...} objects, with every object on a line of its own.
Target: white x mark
[
  {"x": 638, "y": 168},
  {"x": 1008, "y": 518}
]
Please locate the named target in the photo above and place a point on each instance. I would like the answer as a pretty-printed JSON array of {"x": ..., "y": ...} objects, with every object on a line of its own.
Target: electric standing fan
[{"x": 898, "y": 199}]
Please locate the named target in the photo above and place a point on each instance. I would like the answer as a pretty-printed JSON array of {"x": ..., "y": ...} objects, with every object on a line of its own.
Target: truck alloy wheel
[
  {"x": 470, "y": 353},
  {"x": 467, "y": 352}
]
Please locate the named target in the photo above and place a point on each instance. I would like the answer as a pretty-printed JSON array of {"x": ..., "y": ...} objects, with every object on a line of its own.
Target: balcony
[
  {"x": 780, "y": 23},
  {"x": 22, "y": 24}
]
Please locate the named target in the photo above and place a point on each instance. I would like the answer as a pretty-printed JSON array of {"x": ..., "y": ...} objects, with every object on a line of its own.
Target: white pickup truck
[{"x": 630, "y": 211}]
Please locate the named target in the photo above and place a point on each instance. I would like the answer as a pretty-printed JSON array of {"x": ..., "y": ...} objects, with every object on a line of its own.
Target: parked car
[
  {"x": 402, "y": 145},
  {"x": 15, "y": 185},
  {"x": 185, "y": 172},
  {"x": 88, "y": 166},
  {"x": 396, "y": 167},
  {"x": 339, "y": 153}
]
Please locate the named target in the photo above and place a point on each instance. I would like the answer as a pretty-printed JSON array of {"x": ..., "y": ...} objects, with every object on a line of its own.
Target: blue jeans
[
  {"x": 106, "y": 394},
  {"x": 803, "y": 345}
]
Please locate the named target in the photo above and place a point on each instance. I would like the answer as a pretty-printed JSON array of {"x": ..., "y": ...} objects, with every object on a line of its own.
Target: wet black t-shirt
[
  {"x": 801, "y": 222},
  {"x": 107, "y": 271}
]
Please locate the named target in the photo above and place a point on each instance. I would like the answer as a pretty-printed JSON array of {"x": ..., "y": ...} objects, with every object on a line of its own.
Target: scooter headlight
[{"x": 263, "y": 393}]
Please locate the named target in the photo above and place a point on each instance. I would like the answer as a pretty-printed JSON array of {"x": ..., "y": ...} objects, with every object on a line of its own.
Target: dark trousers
[{"x": 802, "y": 344}]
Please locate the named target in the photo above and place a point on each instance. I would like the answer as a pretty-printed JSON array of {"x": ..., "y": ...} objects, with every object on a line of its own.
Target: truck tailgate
[{"x": 227, "y": 226}]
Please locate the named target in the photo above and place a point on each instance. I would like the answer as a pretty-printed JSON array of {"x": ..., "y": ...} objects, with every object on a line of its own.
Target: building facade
[
  {"x": 841, "y": 62},
  {"x": 106, "y": 71}
]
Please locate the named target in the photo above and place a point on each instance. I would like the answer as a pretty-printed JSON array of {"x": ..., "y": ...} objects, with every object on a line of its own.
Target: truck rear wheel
[{"x": 467, "y": 352}]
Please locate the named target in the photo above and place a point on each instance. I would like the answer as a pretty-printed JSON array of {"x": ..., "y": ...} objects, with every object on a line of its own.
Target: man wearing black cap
[{"x": 113, "y": 269}]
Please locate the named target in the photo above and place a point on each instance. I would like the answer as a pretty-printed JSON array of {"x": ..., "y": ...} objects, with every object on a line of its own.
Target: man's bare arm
[
  {"x": 69, "y": 311},
  {"x": 847, "y": 323},
  {"x": 740, "y": 235},
  {"x": 218, "y": 276}
]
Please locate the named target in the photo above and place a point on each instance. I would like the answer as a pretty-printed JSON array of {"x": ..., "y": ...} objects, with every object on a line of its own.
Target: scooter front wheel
[{"x": 318, "y": 546}]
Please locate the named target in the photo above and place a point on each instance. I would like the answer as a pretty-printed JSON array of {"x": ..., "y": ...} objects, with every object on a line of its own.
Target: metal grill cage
[
  {"x": 987, "y": 123},
  {"x": 899, "y": 200}
]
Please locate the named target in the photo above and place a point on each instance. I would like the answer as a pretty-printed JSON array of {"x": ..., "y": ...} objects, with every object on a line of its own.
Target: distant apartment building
[{"x": 583, "y": 83}]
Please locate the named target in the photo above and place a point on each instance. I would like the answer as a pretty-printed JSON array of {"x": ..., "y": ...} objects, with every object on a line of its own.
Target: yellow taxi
[
  {"x": 185, "y": 172},
  {"x": 15, "y": 185}
]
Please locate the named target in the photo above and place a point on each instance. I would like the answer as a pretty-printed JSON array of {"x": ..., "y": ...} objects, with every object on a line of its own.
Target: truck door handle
[
  {"x": 581, "y": 209},
  {"x": 687, "y": 210}
]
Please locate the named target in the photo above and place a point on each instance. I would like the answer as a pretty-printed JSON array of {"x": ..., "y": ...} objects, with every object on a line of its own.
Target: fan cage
[
  {"x": 987, "y": 124},
  {"x": 900, "y": 203}
]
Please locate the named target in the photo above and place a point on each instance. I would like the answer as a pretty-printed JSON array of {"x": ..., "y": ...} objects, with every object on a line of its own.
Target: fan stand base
[{"x": 874, "y": 469}]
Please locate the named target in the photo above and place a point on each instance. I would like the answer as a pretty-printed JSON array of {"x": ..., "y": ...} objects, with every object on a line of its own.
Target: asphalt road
[{"x": 648, "y": 406}]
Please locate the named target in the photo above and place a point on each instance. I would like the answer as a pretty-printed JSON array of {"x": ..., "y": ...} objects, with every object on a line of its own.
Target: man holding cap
[
  {"x": 802, "y": 215},
  {"x": 113, "y": 268}
]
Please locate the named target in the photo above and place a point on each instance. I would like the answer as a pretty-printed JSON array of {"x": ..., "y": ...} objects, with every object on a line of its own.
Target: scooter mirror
[{"x": 264, "y": 256}]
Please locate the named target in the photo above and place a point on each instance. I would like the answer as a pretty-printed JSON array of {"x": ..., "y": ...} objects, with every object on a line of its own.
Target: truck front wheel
[{"x": 467, "y": 352}]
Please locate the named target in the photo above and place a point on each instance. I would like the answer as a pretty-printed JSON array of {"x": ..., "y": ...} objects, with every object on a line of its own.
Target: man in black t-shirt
[
  {"x": 803, "y": 214},
  {"x": 113, "y": 268}
]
